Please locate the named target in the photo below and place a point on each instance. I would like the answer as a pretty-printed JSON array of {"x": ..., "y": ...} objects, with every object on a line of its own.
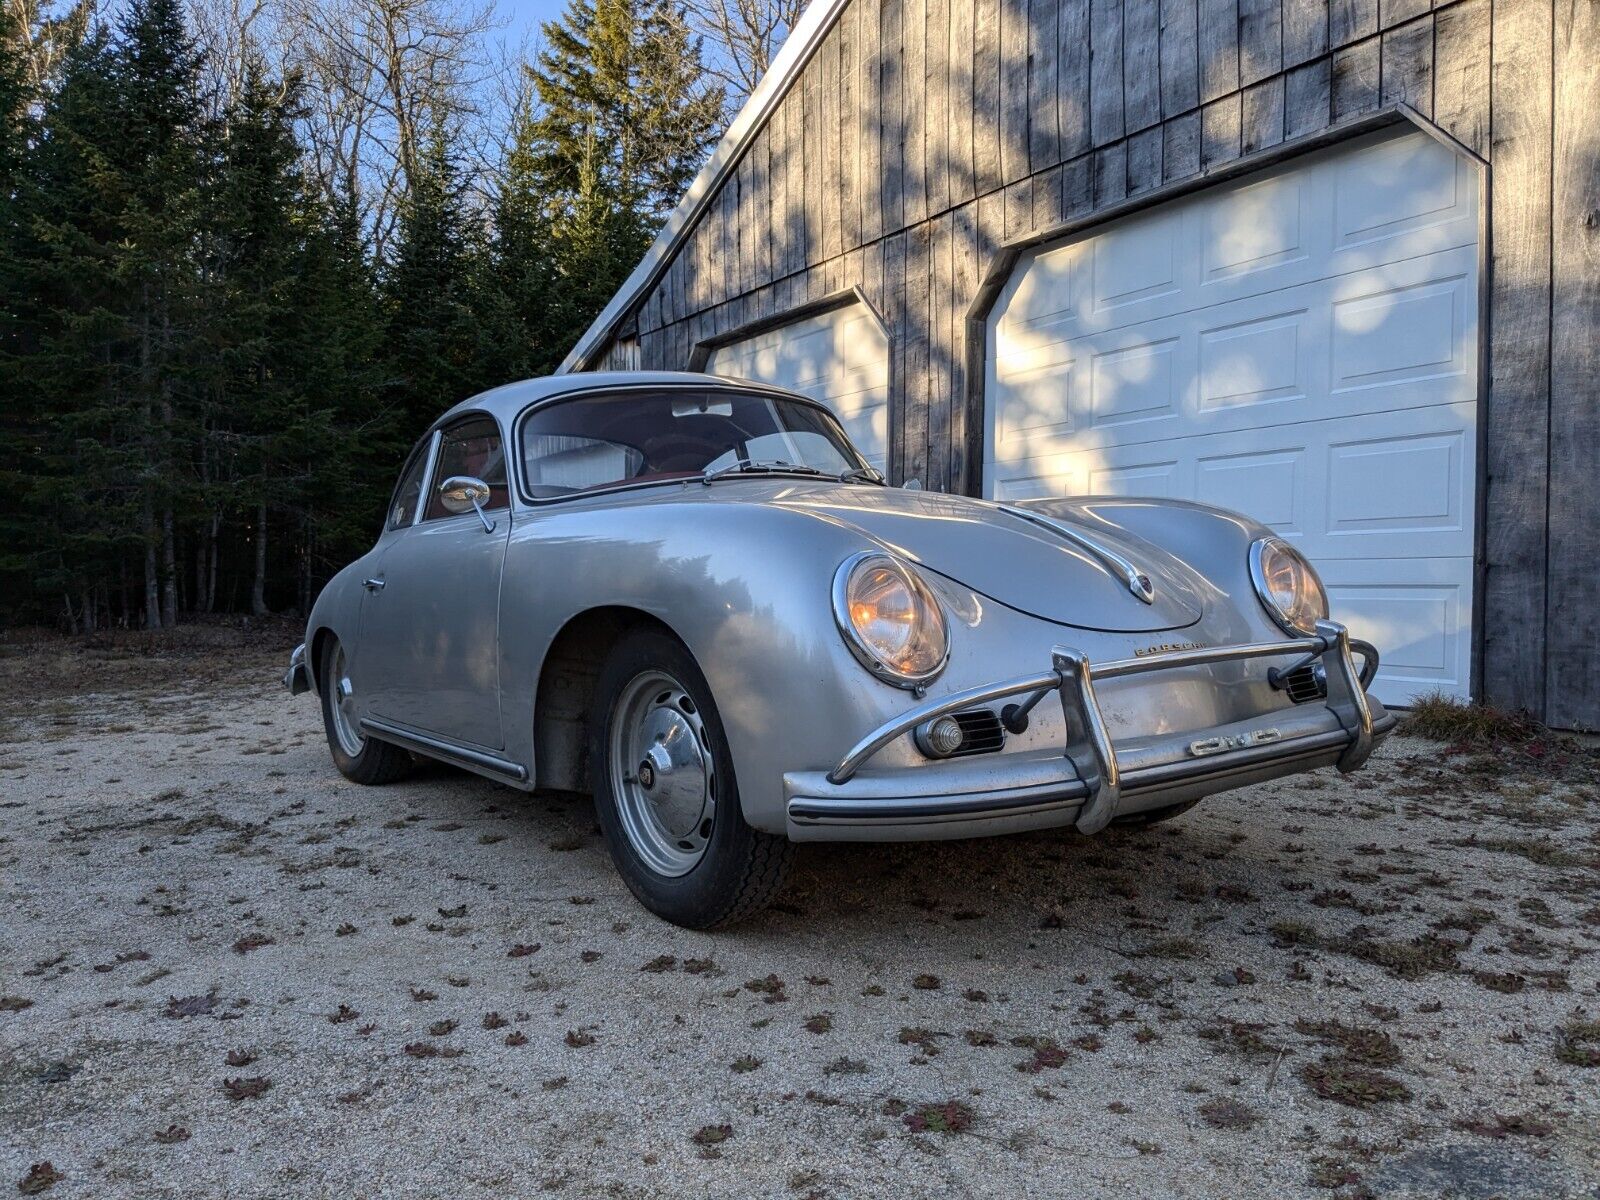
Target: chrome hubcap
[
  {"x": 345, "y": 719},
  {"x": 664, "y": 781}
]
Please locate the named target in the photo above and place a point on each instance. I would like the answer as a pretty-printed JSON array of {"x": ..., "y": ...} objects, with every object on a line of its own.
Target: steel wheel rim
[
  {"x": 663, "y": 773},
  {"x": 343, "y": 707}
]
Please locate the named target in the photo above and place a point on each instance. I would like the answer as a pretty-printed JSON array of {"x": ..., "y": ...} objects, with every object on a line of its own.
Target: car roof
[{"x": 506, "y": 401}]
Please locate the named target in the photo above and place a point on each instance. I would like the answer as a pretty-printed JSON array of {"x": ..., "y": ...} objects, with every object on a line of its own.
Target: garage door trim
[
  {"x": 1004, "y": 260},
  {"x": 700, "y": 354}
]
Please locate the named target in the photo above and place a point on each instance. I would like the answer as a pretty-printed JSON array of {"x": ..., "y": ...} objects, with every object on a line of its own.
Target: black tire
[
  {"x": 740, "y": 869},
  {"x": 375, "y": 762},
  {"x": 1154, "y": 816}
]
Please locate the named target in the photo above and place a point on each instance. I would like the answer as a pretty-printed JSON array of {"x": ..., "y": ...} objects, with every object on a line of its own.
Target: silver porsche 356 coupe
[{"x": 693, "y": 598}]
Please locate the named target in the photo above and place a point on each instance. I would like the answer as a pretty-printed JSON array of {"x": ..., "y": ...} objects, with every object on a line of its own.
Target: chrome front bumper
[
  {"x": 1091, "y": 781},
  {"x": 297, "y": 678}
]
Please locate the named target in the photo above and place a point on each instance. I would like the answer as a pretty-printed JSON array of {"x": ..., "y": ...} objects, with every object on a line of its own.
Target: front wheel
[
  {"x": 665, "y": 794},
  {"x": 358, "y": 757}
]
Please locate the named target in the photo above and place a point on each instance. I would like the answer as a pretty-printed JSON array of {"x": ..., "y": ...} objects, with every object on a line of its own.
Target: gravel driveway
[{"x": 227, "y": 972}]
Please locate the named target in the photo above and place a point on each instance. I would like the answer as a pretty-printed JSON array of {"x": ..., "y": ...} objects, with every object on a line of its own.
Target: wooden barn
[{"x": 1335, "y": 263}]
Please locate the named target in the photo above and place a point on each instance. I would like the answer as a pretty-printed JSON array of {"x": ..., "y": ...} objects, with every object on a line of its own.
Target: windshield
[{"x": 612, "y": 439}]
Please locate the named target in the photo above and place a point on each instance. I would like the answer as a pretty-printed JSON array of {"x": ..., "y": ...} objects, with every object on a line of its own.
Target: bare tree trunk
[
  {"x": 211, "y": 577},
  {"x": 258, "y": 589},
  {"x": 152, "y": 577},
  {"x": 169, "y": 566}
]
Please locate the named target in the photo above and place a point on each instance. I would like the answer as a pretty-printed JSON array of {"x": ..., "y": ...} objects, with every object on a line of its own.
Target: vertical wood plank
[
  {"x": 743, "y": 234},
  {"x": 894, "y": 315},
  {"x": 892, "y": 116},
  {"x": 1305, "y": 31},
  {"x": 1406, "y": 74},
  {"x": 1013, "y": 90},
  {"x": 1260, "y": 40},
  {"x": 1461, "y": 73},
  {"x": 1180, "y": 150},
  {"x": 1144, "y": 160},
  {"x": 1180, "y": 56},
  {"x": 1573, "y": 683},
  {"x": 1306, "y": 107},
  {"x": 936, "y": 88},
  {"x": 941, "y": 351},
  {"x": 1105, "y": 71},
  {"x": 914, "y": 386},
  {"x": 1219, "y": 48},
  {"x": 1110, "y": 174},
  {"x": 1047, "y": 210},
  {"x": 1355, "y": 80},
  {"x": 1219, "y": 132},
  {"x": 1072, "y": 77},
  {"x": 1518, "y": 420},
  {"x": 826, "y": 67},
  {"x": 913, "y": 94},
  {"x": 1261, "y": 121},
  {"x": 965, "y": 265},
  {"x": 810, "y": 83},
  {"x": 1077, "y": 186},
  {"x": 1141, "y": 63},
  {"x": 1398, "y": 12},
  {"x": 760, "y": 208},
  {"x": 849, "y": 129},
  {"x": 1044, "y": 135},
  {"x": 869, "y": 132},
  {"x": 1018, "y": 209},
  {"x": 960, "y": 59},
  {"x": 1351, "y": 21},
  {"x": 986, "y": 96}
]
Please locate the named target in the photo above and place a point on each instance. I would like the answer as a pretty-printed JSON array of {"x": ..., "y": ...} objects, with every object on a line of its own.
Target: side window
[
  {"x": 403, "y": 510},
  {"x": 470, "y": 448}
]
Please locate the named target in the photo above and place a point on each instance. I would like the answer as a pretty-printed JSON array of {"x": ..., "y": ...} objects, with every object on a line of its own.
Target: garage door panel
[
  {"x": 839, "y": 357},
  {"x": 1253, "y": 228},
  {"x": 1411, "y": 189},
  {"x": 1268, "y": 484},
  {"x": 1416, "y": 611},
  {"x": 1300, "y": 346}
]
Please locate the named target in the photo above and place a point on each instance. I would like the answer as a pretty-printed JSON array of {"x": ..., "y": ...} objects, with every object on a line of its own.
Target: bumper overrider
[
  {"x": 297, "y": 678},
  {"x": 1092, "y": 780}
]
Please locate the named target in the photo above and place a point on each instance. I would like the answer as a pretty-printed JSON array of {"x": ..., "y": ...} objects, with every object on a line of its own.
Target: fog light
[{"x": 940, "y": 738}]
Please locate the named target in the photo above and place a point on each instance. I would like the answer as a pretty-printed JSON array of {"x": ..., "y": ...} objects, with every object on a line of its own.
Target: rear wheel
[
  {"x": 358, "y": 757},
  {"x": 665, "y": 793}
]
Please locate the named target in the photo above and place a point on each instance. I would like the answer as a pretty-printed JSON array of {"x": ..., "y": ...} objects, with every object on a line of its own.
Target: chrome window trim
[
  {"x": 847, "y": 630},
  {"x": 736, "y": 388}
]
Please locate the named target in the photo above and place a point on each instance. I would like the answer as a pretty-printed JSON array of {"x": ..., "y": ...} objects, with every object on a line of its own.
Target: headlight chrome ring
[
  {"x": 890, "y": 619},
  {"x": 1288, "y": 586}
]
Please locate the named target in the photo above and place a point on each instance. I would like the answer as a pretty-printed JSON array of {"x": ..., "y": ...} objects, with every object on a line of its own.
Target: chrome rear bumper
[{"x": 1091, "y": 781}]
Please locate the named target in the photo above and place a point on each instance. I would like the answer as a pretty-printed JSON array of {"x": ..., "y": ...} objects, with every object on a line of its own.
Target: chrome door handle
[{"x": 373, "y": 585}]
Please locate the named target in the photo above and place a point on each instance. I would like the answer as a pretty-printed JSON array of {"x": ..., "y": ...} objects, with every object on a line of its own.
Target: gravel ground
[{"x": 227, "y": 972}]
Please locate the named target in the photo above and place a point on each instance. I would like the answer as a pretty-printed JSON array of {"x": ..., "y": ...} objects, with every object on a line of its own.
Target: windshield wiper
[
  {"x": 756, "y": 466},
  {"x": 862, "y": 475}
]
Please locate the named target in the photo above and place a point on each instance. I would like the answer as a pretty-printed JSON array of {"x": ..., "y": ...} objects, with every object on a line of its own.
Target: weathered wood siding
[{"x": 925, "y": 134}]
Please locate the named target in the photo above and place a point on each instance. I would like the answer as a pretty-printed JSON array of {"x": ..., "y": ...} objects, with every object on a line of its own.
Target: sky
[{"x": 525, "y": 16}]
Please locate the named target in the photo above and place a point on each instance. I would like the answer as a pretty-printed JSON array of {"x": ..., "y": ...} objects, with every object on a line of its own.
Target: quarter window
[
  {"x": 471, "y": 448},
  {"x": 403, "y": 509}
]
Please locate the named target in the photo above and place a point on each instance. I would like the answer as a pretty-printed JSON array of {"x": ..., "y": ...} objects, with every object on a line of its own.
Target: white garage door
[
  {"x": 840, "y": 357},
  {"x": 1301, "y": 346}
]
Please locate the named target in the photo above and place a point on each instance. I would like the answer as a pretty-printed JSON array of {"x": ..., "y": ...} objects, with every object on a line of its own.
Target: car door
[{"x": 430, "y": 620}]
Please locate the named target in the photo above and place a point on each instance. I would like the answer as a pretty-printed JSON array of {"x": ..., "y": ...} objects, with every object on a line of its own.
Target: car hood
[{"x": 1036, "y": 564}]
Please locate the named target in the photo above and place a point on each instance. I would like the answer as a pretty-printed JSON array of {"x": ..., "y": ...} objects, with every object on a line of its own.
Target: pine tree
[
  {"x": 162, "y": 155},
  {"x": 626, "y": 117},
  {"x": 432, "y": 343}
]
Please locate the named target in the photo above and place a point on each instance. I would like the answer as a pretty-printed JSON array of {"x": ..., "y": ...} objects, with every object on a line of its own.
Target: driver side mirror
[{"x": 463, "y": 493}]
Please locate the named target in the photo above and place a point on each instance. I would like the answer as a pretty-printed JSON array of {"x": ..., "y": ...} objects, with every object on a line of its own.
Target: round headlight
[
  {"x": 1288, "y": 585},
  {"x": 890, "y": 619}
]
